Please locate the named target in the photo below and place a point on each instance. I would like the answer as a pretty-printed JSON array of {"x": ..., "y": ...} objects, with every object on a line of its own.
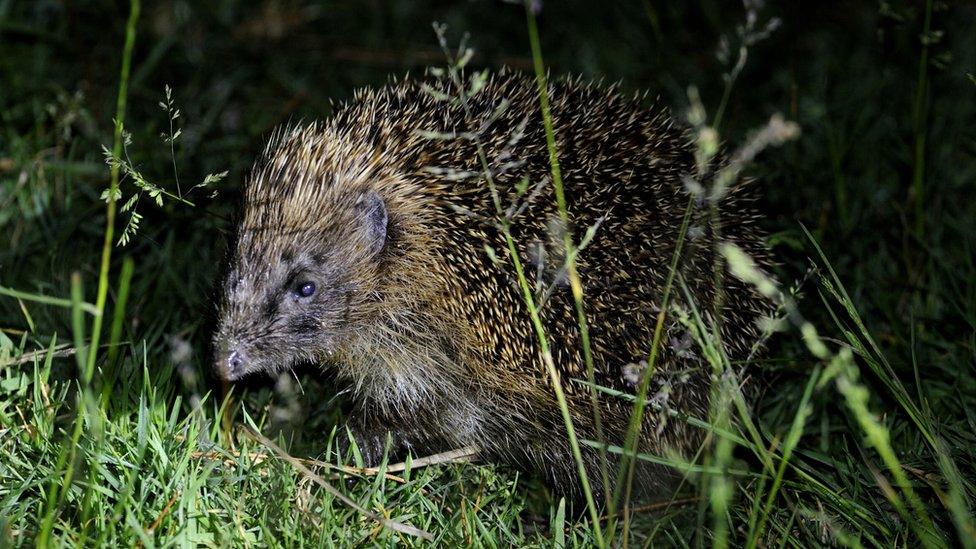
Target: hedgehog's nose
[
  {"x": 230, "y": 361},
  {"x": 235, "y": 364}
]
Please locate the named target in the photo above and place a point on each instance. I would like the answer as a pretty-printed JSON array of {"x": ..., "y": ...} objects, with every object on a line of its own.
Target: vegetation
[{"x": 125, "y": 134}]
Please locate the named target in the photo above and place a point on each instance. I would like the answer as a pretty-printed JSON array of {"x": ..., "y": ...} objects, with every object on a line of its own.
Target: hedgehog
[{"x": 374, "y": 244}]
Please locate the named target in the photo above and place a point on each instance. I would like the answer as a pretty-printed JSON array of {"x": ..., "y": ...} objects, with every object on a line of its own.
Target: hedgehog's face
[{"x": 297, "y": 296}]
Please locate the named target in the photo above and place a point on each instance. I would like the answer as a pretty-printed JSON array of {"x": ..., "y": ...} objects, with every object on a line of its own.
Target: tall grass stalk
[
  {"x": 86, "y": 359},
  {"x": 110, "y": 208},
  {"x": 576, "y": 284},
  {"x": 455, "y": 65}
]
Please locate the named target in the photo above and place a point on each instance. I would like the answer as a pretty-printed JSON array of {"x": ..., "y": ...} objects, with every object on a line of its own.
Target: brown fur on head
[{"x": 306, "y": 270}]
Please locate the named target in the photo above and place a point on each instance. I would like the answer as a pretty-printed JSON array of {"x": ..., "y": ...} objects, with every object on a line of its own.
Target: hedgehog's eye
[{"x": 304, "y": 289}]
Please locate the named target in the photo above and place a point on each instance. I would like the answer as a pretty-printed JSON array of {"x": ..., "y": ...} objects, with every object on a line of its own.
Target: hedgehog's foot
[{"x": 372, "y": 442}]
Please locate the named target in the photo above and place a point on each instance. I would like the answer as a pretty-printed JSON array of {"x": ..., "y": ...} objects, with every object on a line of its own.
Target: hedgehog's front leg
[
  {"x": 377, "y": 436},
  {"x": 372, "y": 438}
]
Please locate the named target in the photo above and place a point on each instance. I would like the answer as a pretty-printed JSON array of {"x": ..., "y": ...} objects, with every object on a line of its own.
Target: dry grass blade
[
  {"x": 467, "y": 454},
  {"x": 461, "y": 455},
  {"x": 61, "y": 351},
  {"x": 297, "y": 464}
]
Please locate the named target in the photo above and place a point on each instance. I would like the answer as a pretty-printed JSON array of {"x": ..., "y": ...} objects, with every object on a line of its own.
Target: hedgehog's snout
[
  {"x": 235, "y": 364},
  {"x": 230, "y": 360}
]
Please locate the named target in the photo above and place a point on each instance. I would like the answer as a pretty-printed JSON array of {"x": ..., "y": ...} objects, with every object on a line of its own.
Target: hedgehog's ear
[{"x": 373, "y": 219}]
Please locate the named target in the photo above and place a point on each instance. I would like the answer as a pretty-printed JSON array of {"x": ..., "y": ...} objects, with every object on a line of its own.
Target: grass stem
[
  {"x": 576, "y": 284},
  {"x": 110, "y": 209}
]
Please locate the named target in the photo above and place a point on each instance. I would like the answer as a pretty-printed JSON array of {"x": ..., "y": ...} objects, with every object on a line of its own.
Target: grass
[{"x": 856, "y": 429}]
